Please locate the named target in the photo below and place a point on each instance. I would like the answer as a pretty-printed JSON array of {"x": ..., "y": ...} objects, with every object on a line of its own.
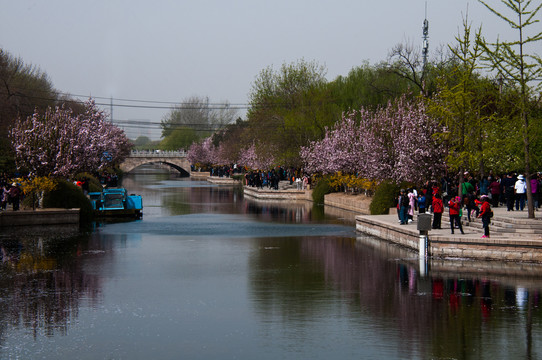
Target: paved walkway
[{"x": 504, "y": 225}]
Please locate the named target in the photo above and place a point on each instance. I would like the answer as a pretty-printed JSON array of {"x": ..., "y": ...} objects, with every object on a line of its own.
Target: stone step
[{"x": 498, "y": 225}]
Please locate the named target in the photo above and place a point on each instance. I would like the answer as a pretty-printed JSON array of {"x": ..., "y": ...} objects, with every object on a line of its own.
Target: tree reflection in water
[
  {"x": 42, "y": 283},
  {"x": 459, "y": 307}
]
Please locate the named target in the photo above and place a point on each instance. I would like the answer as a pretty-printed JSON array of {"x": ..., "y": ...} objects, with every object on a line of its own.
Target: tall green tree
[
  {"x": 179, "y": 138},
  {"x": 459, "y": 106},
  {"x": 520, "y": 68},
  {"x": 285, "y": 110}
]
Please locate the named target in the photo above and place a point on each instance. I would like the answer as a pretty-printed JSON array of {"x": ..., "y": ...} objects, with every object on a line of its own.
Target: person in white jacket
[{"x": 520, "y": 189}]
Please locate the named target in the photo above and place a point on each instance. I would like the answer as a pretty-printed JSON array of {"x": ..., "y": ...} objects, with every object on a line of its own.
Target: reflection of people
[{"x": 485, "y": 214}]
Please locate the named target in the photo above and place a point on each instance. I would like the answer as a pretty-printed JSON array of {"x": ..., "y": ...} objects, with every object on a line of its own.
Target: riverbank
[
  {"x": 513, "y": 236},
  {"x": 289, "y": 194},
  {"x": 218, "y": 180}
]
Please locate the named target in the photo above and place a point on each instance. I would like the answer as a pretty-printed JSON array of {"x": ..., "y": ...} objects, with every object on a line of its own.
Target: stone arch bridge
[{"x": 175, "y": 159}]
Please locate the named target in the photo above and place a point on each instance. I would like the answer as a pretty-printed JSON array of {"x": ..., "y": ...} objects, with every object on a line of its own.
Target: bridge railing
[{"x": 158, "y": 153}]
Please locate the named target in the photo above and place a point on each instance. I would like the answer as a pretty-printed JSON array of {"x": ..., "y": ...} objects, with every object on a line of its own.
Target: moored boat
[{"x": 115, "y": 202}]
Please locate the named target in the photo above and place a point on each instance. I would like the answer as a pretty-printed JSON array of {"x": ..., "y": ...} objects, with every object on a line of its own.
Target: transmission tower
[{"x": 425, "y": 50}]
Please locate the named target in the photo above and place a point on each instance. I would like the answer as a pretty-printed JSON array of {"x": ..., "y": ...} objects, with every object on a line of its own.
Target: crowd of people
[
  {"x": 478, "y": 196},
  {"x": 10, "y": 194},
  {"x": 270, "y": 179}
]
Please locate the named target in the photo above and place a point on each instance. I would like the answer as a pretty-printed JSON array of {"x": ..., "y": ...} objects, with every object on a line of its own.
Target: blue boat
[{"x": 115, "y": 202}]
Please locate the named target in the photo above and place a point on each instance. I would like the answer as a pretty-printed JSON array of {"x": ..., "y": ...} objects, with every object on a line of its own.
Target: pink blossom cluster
[
  {"x": 57, "y": 143},
  {"x": 203, "y": 153},
  {"x": 395, "y": 142},
  {"x": 250, "y": 158},
  {"x": 207, "y": 154}
]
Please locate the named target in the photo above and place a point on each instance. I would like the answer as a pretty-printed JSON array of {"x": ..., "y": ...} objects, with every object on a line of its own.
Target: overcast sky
[{"x": 167, "y": 51}]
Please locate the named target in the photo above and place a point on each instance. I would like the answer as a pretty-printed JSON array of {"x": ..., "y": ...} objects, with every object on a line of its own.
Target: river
[{"x": 208, "y": 274}]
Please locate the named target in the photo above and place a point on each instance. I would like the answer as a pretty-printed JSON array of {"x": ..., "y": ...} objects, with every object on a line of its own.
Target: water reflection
[
  {"x": 42, "y": 285},
  {"x": 444, "y": 315}
]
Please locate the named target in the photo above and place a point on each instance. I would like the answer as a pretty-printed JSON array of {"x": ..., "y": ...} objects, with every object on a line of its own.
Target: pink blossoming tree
[
  {"x": 59, "y": 144},
  {"x": 250, "y": 158},
  {"x": 202, "y": 153},
  {"x": 396, "y": 142}
]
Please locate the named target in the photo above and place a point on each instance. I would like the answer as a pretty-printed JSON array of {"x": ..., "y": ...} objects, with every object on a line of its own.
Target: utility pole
[{"x": 111, "y": 108}]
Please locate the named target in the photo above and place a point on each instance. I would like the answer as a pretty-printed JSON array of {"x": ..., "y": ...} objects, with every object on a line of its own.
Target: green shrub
[
  {"x": 69, "y": 196},
  {"x": 322, "y": 188},
  {"x": 384, "y": 198}
]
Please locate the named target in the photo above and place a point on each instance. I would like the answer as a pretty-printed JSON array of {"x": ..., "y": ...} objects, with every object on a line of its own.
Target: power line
[
  {"x": 172, "y": 103},
  {"x": 181, "y": 106},
  {"x": 178, "y": 106}
]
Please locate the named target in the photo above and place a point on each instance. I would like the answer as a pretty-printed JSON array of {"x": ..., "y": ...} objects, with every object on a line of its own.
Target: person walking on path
[
  {"x": 534, "y": 190},
  {"x": 495, "y": 191},
  {"x": 438, "y": 208},
  {"x": 485, "y": 214},
  {"x": 403, "y": 207},
  {"x": 421, "y": 203},
  {"x": 411, "y": 204},
  {"x": 454, "y": 206},
  {"x": 508, "y": 185},
  {"x": 15, "y": 196},
  {"x": 470, "y": 202},
  {"x": 520, "y": 188}
]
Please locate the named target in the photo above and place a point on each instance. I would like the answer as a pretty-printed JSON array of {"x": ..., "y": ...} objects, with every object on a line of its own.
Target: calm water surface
[{"x": 207, "y": 274}]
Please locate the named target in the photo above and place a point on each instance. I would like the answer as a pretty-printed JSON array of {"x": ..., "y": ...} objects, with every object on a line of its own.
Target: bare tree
[
  {"x": 199, "y": 114},
  {"x": 406, "y": 61}
]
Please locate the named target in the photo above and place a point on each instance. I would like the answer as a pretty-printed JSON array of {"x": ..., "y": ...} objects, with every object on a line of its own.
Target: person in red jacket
[
  {"x": 485, "y": 214},
  {"x": 438, "y": 208},
  {"x": 454, "y": 206}
]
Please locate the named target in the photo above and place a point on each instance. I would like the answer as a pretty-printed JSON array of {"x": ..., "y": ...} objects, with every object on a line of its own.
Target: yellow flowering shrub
[
  {"x": 351, "y": 182},
  {"x": 38, "y": 184},
  {"x": 34, "y": 189}
]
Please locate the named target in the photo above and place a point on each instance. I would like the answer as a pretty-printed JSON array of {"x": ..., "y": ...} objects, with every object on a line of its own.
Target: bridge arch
[{"x": 174, "y": 159}]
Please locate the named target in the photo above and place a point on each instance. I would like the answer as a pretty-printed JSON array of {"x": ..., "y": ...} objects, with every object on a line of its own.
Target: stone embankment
[
  {"x": 291, "y": 194},
  {"x": 40, "y": 217},
  {"x": 358, "y": 203},
  {"x": 513, "y": 236}
]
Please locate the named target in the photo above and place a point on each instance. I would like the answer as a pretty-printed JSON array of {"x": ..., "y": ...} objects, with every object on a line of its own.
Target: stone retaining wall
[
  {"x": 39, "y": 217},
  {"x": 199, "y": 174},
  {"x": 358, "y": 203},
  {"x": 268, "y": 194},
  {"x": 454, "y": 247}
]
